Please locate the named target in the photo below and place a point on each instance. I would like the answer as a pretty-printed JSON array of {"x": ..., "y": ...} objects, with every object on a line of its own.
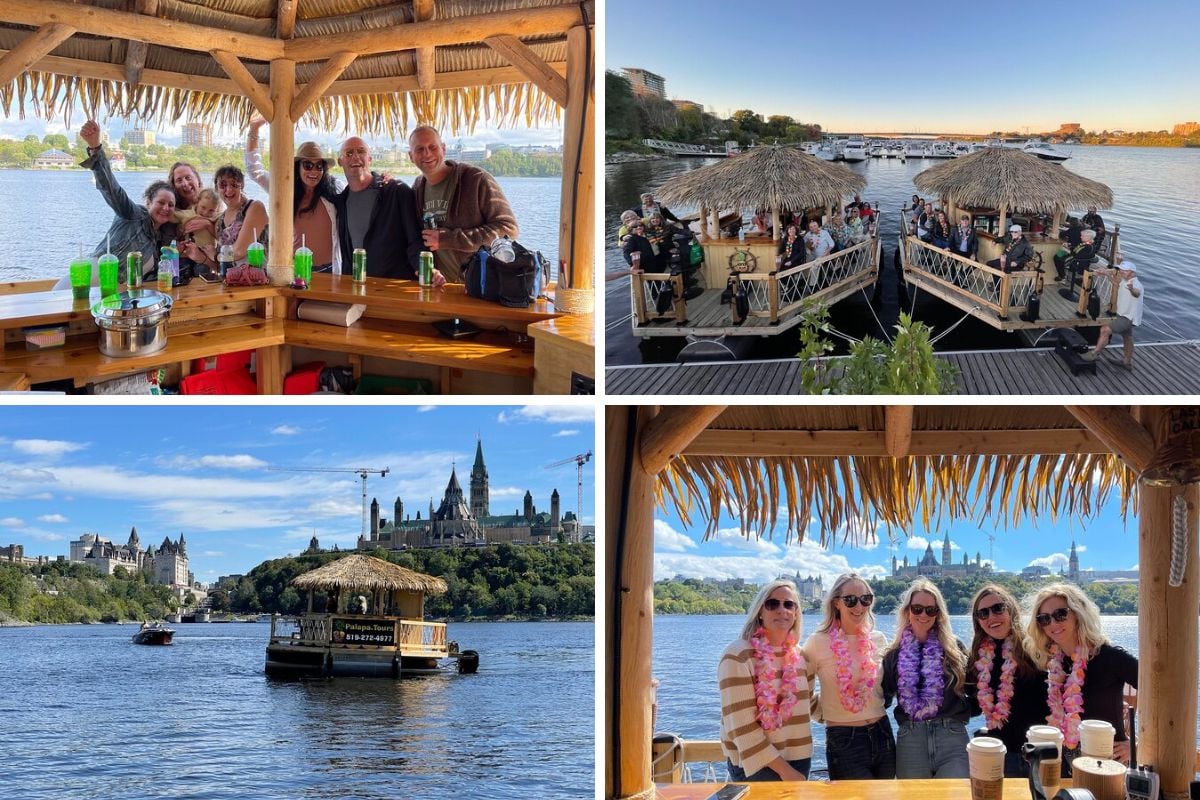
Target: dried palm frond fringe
[
  {"x": 367, "y": 572},
  {"x": 852, "y": 496}
]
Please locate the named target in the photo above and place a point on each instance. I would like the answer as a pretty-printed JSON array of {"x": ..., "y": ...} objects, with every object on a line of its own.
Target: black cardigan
[
  {"x": 954, "y": 703},
  {"x": 1028, "y": 703}
]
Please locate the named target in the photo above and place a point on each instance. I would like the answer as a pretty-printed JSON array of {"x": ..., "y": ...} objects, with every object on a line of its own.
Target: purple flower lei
[{"x": 923, "y": 661}]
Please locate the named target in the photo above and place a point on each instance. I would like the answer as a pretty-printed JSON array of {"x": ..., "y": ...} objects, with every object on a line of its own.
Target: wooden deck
[
  {"x": 1160, "y": 369},
  {"x": 932, "y": 789},
  {"x": 707, "y": 317}
]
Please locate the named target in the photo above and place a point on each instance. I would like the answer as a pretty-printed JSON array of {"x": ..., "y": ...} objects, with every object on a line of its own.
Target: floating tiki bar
[
  {"x": 775, "y": 178},
  {"x": 997, "y": 186},
  {"x": 359, "y": 66},
  {"x": 851, "y": 468}
]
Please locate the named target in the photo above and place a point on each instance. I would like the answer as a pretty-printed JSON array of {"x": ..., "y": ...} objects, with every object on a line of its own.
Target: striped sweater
[{"x": 743, "y": 739}]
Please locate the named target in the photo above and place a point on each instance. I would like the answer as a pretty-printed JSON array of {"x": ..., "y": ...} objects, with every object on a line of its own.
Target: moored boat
[
  {"x": 1044, "y": 151},
  {"x": 153, "y": 633}
]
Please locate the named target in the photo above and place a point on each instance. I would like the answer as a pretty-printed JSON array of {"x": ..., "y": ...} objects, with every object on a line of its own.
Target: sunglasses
[
  {"x": 1058, "y": 615},
  {"x": 987, "y": 611},
  {"x": 851, "y": 600},
  {"x": 313, "y": 165},
  {"x": 923, "y": 611},
  {"x": 772, "y": 604}
]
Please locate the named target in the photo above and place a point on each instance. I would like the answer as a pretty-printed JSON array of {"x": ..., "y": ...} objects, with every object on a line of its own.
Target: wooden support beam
[
  {"x": 577, "y": 224},
  {"x": 317, "y": 85},
  {"x": 285, "y": 19},
  {"x": 898, "y": 430},
  {"x": 496, "y": 76},
  {"x": 440, "y": 32},
  {"x": 138, "y": 27},
  {"x": 135, "y": 52},
  {"x": 283, "y": 90},
  {"x": 1123, "y": 434},
  {"x": 672, "y": 431},
  {"x": 792, "y": 443},
  {"x": 531, "y": 65},
  {"x": 426, "y": 57},
  {"x": 255, "y": 91},
  {"x": 32, "y": 48}
]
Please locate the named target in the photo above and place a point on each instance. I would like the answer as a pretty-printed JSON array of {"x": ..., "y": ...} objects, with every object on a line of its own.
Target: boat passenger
[
  {"x": 855, "y": 232},
  {"x": 379, "y": 217},
  {"x": 639, "y": 253},
  {"x": 765, "y": 727},
  {"x": 660, "y": 239},
  {"x": 963, "y": 239},
  {"x": 208, "y": 206},
  {"x": 759, "y": 222},
  {"x": 791, "y": 248},
  {"x": 650, "y": 206},
  {"x": 314, "y": 215},
  {"x": 845, "y": 655},
  {"x": 1077, "y": 258},
  {"x": 1017, "y": 252},
  {"x": 1129, "y": 310},
  {"x": 464, "y": 202},
  {"x": 627, "y": 220},
  {"x": 1086, "y": 673},
  {"x": 185, "y": 179},
  {"x": 1003, "y": 682},
  {"x": 1096, "y": 223},
  {"x": 817, "y": 242},
  {"x": 836, "y": 227},
  {"x": 243, "y": 217},
  {"x": 925, "y": 670},
  {"x": 940, "y": 231},
  {"x": 145, "y": 228},
  {"x": 925, "y": 222}
]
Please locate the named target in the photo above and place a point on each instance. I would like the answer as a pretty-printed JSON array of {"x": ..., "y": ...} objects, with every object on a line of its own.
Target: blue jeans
[
  {"x": 936, "y": 748},
  {"x": 801, "y": 765},
  {"x": 861, "y": 753}
]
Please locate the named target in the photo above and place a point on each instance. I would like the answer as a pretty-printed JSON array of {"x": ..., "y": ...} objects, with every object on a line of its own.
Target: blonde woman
[
  {"x": 925, "y": 670},
  {"x": 845, "y": 654},
  {"x": 1086, "y": 674},
  {"x": 1003, "y": 682},
  {"x": 765, "y": 727}
]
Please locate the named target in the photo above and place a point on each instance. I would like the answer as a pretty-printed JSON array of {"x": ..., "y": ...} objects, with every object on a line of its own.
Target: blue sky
[
  {"x": 202, "y": 471},
  {"x": 1105, "y": 542},
  {"x": 877, "y": 66}
]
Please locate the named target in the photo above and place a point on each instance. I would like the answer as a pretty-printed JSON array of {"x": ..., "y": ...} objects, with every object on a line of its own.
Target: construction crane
[
  {"x": 361, "y": 472},
  {"x": 579, "y": 461}
]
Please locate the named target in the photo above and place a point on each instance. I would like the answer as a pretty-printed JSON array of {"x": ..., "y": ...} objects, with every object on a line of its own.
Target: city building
[
  {"x": 167, "y": 566},
  {"x": 54, "y": 159},
  {"x": 930, "y": 567},
  {"x": 197, "y": 134},
  {"x": 140, "y": 136},
  {"x": 1070, "y": 129},
  {"x": 645, "y": 83},
  {"x": 684, "y": 105},
  {"x": 809, "y": 588},
  {"x": 15, "y": 554}
]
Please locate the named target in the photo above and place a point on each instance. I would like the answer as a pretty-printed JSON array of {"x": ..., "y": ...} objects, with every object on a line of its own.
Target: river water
[
  {"x": 45, "y": 214},
  {"x": 88, "y": 714},
  {"x": 687, "y": 649},
  {"x": 1155, "y": 199}
]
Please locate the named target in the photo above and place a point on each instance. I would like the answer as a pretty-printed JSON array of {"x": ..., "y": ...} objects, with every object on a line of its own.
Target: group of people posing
[
  {"x": 452, "y": 209},
  {"x": 1057, "y": 670}
]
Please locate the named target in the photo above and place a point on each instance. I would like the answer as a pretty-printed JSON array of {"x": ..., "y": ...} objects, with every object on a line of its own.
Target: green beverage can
[
  {"x": 425, "y": 275},
  {"x": 359, "y": 264},
  {"x": 81, "y": 278},
  {"x": 133, "y": 269},
  {"x": 109, "y": 266}
]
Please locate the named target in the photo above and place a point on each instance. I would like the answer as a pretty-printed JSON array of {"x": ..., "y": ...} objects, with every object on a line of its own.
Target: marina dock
[{"x": 1171, "y": 368}]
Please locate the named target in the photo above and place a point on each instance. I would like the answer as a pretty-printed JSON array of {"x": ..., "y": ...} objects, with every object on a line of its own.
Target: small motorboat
[
  {"x": 153, "y": 633},
  {"x": 1044, "y": 151}
]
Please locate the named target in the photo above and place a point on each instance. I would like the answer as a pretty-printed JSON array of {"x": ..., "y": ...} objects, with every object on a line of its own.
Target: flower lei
[
  {"x": 995, "y": 709},
  {"x": 1066, "y": 701},
  {"x": 853, "y": 696},
  {"x": 775, "y": 706},
  {"x": 923, "y": 662}
]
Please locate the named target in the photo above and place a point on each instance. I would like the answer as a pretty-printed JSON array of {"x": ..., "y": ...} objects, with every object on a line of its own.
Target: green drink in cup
[
  {"x": 81, "y": 277},
  {"x": 109, "y": 266},
  {"x": 303, "y": 261},
  {"x": 255, "y": 254}
]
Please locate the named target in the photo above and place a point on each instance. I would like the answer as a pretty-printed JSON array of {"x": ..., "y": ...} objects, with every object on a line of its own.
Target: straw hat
[{"x": 311, "y": 151}]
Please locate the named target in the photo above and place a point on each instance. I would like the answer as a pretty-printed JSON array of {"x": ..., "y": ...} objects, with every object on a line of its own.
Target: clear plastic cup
[
  {"x": 109, "y": 267},
  {"x": 81, "y": 278},
  {"x": 303, "y": 261},
  {"x": 256, "y": 255}
]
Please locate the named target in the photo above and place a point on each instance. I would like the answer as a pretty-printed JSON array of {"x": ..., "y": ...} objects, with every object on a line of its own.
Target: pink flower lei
[
  {"x": 1065, "y": 696},
  {"x": 853, "y": 695},
  {"x": 923, "y": 662},
  {"x": 774, "y": 707},
  {"x": 995, "y": 710}
]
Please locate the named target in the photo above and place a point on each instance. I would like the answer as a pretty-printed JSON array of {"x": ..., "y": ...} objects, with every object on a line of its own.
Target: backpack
[{"x": 514, "y": 284}]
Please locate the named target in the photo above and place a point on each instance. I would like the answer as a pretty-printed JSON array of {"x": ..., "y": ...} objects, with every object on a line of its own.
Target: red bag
[{"x": 246, "y": 275}]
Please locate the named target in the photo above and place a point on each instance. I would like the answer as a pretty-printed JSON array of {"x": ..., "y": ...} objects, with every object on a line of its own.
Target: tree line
[
  {"x": 498, "y": 581},
  {"x": 63, "y": 592},
  {"x": 696, "y": 596}
]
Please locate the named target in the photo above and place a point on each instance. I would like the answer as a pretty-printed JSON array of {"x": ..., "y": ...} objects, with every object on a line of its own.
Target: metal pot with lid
[{"x": 133, "y": 322}]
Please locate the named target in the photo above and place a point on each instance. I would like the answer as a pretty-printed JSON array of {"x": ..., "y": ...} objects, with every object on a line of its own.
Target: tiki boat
[
  {"x": 998, "y": 186},
  {"x": 373, "y": 624},
  {"x": 862, "y": 469},
  {"x": 362, "y": 66},
  {"x": 776, "y": 178}
]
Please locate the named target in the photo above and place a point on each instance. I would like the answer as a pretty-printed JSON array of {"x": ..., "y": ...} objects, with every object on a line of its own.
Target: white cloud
[
  {"x": 734, "y": 540},
  {"x": 807, "y": 558},
  {"x": 285, "y": 430},
  {"x": 50, "y": 448},
  {"x": 917, "y": 543},
  {"x": 1054, "y": 561},
  {"x": 566, "y": 433},
  {"x": 52, "y": 518},
  {"x": 425, "y": 409},
  {"x": 549, "y": 414},
  {"x": 12, "y": 522},
  {"x": 668, "y": 539},
  {"x": 232, "y": 462},
  {"x": 214, "y": 554}
]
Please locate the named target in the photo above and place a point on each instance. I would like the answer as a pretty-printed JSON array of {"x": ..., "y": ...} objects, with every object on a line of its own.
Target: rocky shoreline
[{"x": 626, "y": 157}]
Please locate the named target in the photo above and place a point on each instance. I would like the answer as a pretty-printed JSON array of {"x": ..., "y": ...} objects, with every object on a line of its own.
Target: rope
[
  {"x": 939, "y": 337},
  {"x": 863, "y": 290},
  {"x": 676, "y": 744},
  {"x": 1179, "y": 541}
]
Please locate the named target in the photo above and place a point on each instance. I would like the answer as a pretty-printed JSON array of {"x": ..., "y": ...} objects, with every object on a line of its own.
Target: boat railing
[
  {"x": 1003, "y": 293},
  {"x": 647, "y": 287},
  {"x": 1104, "y": 290},
  {"x": 781, "y": 293},
  {"x": 313, "y": 629}
]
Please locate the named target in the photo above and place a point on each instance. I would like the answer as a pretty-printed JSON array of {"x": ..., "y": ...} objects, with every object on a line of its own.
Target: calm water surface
[
  {"x": 1155, "y": 200},
  {"x": 44, "y": 214},
  {"x": 687, "y": 649},
  {"x": 88, "y": 714}
]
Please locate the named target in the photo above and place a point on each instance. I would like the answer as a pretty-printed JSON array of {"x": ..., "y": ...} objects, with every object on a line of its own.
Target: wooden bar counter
[
  {"x": 395, "y": 336},
  {"x": 947, "y": 789}
]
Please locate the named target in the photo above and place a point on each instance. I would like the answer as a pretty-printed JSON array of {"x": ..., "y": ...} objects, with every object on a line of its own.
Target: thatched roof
[
  {"x": 357, "y": 572},
  {"x": 828, "y": 467},
  {"x": 997, "y": 177},
  {"x": 377, "y": 93},
  {"x": 764, "y": 177}
]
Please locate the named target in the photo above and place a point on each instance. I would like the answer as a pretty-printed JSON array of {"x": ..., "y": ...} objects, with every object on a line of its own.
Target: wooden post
[
  {"x": 1003, "y": 217},
  {"x": 773, "y": 297},
  {"x": 703, "y": 220},
  {"x": 1167, "y": 652},
  {"x": 576, "y": 230},
  {"x": 1081, "y": 308},
  {"x": 1005, "y": 291},
  {"x": 637, "y": 283},
  {"x": 775, "y": 224},
  {"x": 283, "y": 90},
  {"x": 679, "y": 302}
]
